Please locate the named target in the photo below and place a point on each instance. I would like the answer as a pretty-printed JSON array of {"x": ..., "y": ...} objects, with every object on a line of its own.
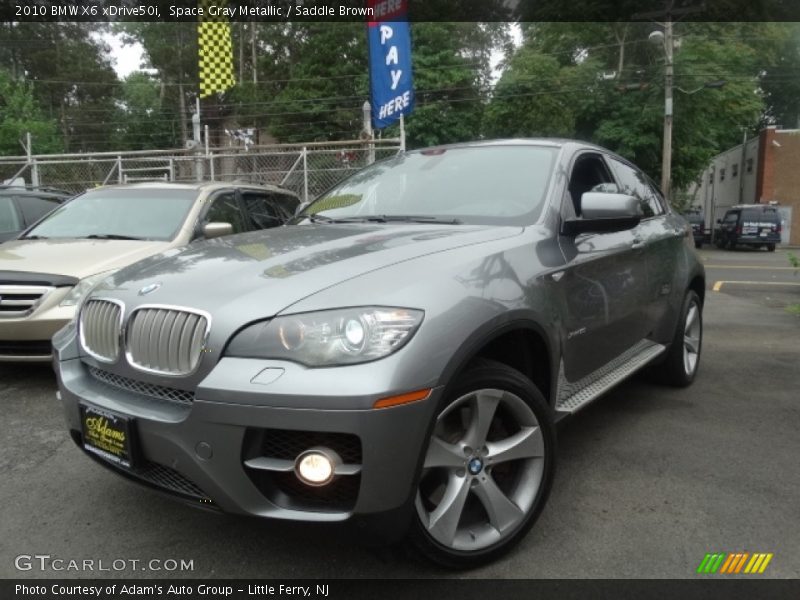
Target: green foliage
[
  {"x": 144, "y": 120},
  {"x": 532, "y": 98},
  {"x": 604, "y": 82},
  {"x": 73, "y": 80},
  {"x": 21, "y": 114}
]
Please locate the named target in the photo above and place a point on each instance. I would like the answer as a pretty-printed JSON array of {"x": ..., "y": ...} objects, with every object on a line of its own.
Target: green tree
[
  {"x": 603, "y": 82},
  {"x": 21, "y": 114},
  {"x": 171, "y": 51},
  {"x": 72, "y": 78},
  {"x": 142, "y": 115},
  {"x": 531, "y": 98}
]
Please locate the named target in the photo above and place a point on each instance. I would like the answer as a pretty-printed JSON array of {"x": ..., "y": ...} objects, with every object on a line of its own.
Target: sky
[{"x": 126, "y": 59}]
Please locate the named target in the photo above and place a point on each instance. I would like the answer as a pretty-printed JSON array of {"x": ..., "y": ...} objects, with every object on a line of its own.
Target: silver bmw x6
[{"x": 398, "y": 356}]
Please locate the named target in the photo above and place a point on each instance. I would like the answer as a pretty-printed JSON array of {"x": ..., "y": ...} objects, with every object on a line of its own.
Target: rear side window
[
  {"x": 769, "y": 215},
  {"x": 262, "y": 210},
  {"x": 731, "y": 217},
  {"x": 34, "y": 208},
  {"x": 9, "y": 219}
]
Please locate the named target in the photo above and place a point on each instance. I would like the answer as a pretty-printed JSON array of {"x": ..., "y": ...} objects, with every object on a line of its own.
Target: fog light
[{"x": 316, "y": 466}]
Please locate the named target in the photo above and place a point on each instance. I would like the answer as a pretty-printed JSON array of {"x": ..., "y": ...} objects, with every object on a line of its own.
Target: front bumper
[
  {"x": 757, "y": 240},
  {"x": 196, "y": 450},
  {"x": 27, "y": 338}
]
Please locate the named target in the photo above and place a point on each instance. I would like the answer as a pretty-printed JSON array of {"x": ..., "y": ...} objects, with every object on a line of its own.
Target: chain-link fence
[{"x": 306, "y": 169}]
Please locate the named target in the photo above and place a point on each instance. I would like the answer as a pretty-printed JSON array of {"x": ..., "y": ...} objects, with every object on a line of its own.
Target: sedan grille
[
  {"x": 20, "y": 300},
  {"x": 166, "y": 340},
  {"x": 100, "y": 325}
]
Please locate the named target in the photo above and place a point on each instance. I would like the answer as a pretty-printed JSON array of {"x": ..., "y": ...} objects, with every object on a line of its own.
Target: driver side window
[
  {"x": 225, "y": 209},
  {"x": 588, "y": 174}
]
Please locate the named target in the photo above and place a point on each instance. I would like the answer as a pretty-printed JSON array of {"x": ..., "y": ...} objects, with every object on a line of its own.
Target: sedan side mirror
[
  {"x": 602, "y": 212},
  {"x": 216, "y": 229}
]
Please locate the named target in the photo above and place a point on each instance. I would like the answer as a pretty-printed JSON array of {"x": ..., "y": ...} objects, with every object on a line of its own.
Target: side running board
[{"x": 572, "y": 396}]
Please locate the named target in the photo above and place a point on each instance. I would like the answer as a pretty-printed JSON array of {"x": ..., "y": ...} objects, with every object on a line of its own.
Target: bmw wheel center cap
[{"x": 475, "y": 466}]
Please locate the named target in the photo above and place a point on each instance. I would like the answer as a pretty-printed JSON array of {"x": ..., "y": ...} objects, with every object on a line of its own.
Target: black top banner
[{"x": 418, "y": 10}]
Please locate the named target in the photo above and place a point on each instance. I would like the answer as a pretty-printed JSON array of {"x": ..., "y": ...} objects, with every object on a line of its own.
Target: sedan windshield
[
  {"x": 136, "y": 213},
  {"x": 489, "y": 184}
]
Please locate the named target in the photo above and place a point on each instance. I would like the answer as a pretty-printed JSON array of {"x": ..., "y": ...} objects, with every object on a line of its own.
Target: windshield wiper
[
  {"x": 419, "y": 219},
  {"x": 35, "y": 237},
  {"x": 317, "y": 218},
  {"x": 385, "y": 219},
  {"x": 110, "y": 236}
]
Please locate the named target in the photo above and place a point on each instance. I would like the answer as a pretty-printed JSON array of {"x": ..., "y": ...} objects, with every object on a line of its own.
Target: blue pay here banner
[{"x": 391, "y": 80}]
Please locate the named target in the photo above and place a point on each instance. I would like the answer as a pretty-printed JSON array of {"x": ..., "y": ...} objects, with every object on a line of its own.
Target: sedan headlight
[
  {"x": 331, "y": 337},
  {"x": 82, "y": 289}
]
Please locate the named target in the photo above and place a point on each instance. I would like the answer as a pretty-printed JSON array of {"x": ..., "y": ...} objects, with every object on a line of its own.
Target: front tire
[
  {"x": 488, "y": 468},
  {"x": 683, "y": 358},
  {"x": 770, "y": 247}
]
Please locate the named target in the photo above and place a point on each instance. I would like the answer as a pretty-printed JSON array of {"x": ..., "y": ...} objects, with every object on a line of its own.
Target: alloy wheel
[
  {"x": 692, "y": 332},
  {"x": 482, "y": 471}
]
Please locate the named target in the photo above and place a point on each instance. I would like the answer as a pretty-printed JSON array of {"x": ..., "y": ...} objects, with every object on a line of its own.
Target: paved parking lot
[{"x": 649, "y": 478}]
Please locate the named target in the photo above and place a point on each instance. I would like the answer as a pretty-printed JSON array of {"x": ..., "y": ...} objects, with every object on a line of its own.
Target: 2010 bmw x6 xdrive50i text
[{"x": 399, "y": 355}]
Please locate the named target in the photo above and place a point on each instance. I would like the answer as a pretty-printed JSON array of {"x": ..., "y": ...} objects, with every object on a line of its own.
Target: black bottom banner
[{"x": 386, "y": 589}]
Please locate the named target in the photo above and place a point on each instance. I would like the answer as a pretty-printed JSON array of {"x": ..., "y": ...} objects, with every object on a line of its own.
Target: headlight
[
  {"x": 82, "y": 289},
  {"x": 331, "y": 337}
]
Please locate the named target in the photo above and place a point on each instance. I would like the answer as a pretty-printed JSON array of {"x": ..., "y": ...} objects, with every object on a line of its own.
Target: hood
[
  {"x": 256, "y": 275},
  {"x": 72, "y": 257}
]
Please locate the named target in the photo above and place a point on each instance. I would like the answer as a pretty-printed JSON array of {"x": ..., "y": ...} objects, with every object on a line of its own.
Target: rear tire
[
  {"x": 770, "y": 247},
  {"x": 680, "y": 366},
  {"x": 488, "y": 468},
  {"x": 731, "y": 245},
  {"x": 698, "y": 245}
]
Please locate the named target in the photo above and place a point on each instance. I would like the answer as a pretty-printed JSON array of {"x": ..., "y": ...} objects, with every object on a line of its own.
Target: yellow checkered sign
[{"x": 215, "y": 53}]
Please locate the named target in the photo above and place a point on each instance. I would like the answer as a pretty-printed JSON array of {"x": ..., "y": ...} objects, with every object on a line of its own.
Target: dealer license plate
[{"x": 108, "y": 435}]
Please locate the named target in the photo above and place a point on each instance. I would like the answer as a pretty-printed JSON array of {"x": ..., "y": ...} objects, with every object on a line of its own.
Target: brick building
[{"x": 765, "y": 169}]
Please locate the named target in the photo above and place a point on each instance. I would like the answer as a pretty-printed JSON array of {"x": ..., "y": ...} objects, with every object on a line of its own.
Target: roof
[
  {"x": 539, "y": 141},
  {"x": 200, "y": 186},
  {"x": 737, "y": 206},
  {"x": 39, "y": 192}
]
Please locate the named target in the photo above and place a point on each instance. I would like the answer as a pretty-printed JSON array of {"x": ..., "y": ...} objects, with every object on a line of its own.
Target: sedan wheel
[
  {"x": 691, "y": 339},
  {"x": 680, "y": 365},
  {"x": 487, "y": 468}
]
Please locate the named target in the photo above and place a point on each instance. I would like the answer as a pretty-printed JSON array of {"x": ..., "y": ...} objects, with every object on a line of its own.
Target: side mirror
[
  {"x": 216, "y": 229},
  {"x": 719, "y": 221},
  {"x": 602, "y": 212},
  {"x": 606, "y": 188}
]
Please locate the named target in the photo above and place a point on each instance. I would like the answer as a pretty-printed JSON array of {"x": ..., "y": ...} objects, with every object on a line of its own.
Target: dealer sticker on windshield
[{"x": 107, "y": 435}]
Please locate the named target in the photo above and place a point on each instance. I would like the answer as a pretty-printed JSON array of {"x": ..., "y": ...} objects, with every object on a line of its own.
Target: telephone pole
[
  {"x": 669, "y": 46},
  {"x": 666, "y": 149}
]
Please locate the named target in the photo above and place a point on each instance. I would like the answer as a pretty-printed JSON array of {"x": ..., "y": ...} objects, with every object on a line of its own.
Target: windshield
[
  {"x": 493, "y": 184},
  {"x": 693, "y": 217},
  {"x": 136, "y": 213}
]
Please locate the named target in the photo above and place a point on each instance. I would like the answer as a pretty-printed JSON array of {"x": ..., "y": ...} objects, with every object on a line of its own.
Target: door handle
[{"x": 637, "y": 243}]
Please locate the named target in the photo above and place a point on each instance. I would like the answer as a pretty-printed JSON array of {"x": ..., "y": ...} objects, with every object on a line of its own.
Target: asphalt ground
[{"x": 649, "y": 479}]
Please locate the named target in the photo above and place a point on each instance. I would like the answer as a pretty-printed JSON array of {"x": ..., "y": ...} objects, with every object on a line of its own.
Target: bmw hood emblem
[{"x": 149, "y": 289}]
